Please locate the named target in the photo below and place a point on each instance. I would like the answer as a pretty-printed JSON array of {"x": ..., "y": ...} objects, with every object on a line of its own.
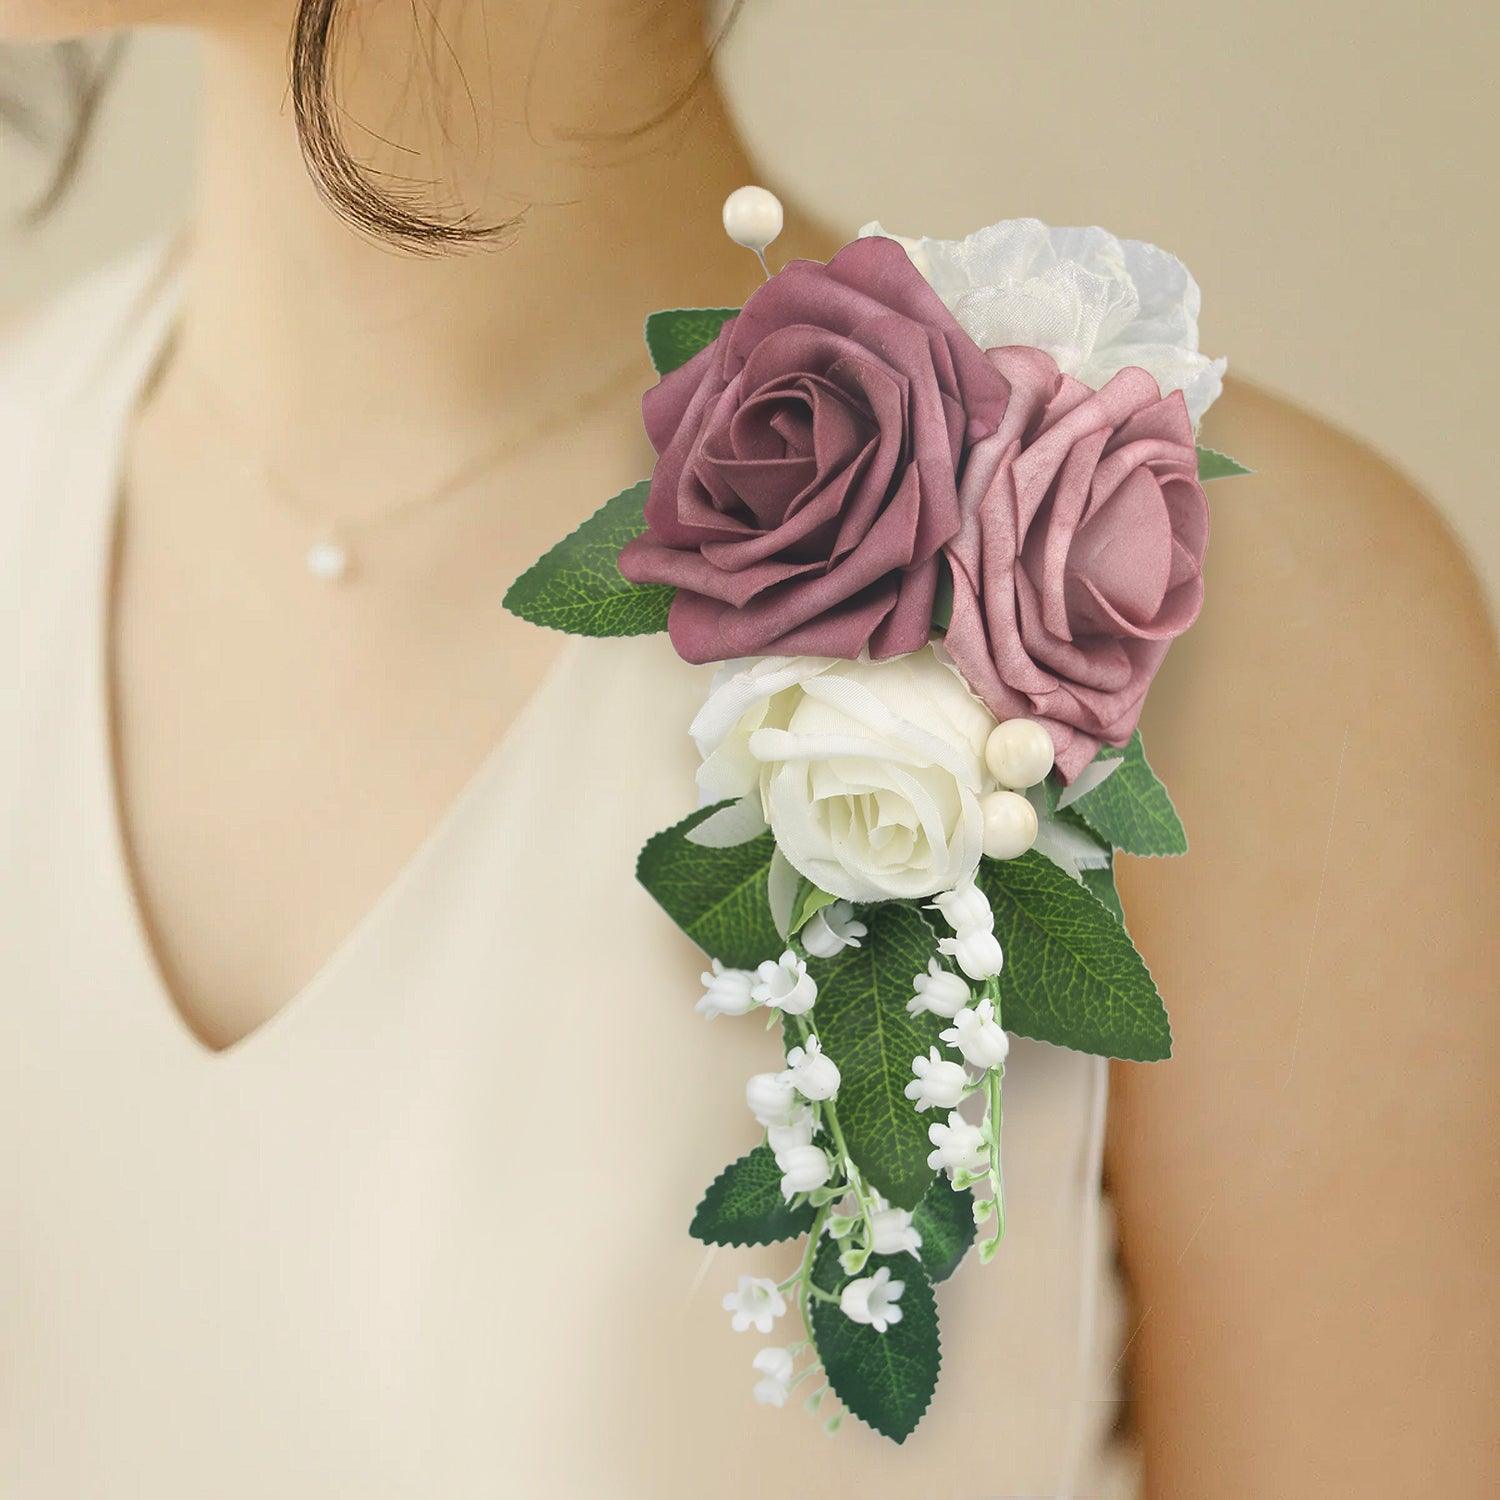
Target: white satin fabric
[{"x": 424, "y": 1233}]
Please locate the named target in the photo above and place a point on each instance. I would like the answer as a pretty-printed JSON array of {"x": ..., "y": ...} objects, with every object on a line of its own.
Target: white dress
[{"x": 371, "y": 1250}]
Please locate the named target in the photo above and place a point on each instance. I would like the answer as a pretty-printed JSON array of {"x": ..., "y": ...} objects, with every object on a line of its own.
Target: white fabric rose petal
[
  {"x": 869, "y": 772},
  {"x": 1095, "y": 303}
]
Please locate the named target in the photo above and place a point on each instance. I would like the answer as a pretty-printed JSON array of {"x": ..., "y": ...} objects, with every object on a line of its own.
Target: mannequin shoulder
[
  {"x": 1336, "y": 598},
  {"x": 1327, "y": 950},
  {"x": 1327, "y": 525}
]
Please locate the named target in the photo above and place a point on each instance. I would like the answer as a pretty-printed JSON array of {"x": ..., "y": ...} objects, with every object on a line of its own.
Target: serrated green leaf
[
  {"x": 717, "y": 896},
  {"x": 1072, "y": 976},
  {"x": 1101, "y": 885},
  {"x": 885, "y": 1379},
  {"x": 861, "y": 1019},
  {"x": 578, "y": 587},
  {"x": 1132, "y": 810},
  {"x": 676, "y": 334},
  {"x": 744, "y": 1206},
  {"x": 945, "y": 1220},
  {"x": 1215, "y": 465}
]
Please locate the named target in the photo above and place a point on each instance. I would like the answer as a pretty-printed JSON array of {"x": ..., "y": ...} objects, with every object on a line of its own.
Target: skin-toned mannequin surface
[{"x": 1299, "y": 1191}]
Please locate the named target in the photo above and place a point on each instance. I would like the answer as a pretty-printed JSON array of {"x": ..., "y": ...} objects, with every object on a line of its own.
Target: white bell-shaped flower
[
  {"x": 966, "y": 908},
  {"x": 833, "y": 929},
  {"x": 958, "y": 1146},
  {"x": 803, "y": 1169},
  {"x": 726, "y": 992},
  {"x": 772, "y": 1098},
  {"x": 977, "y": 1034},
  {"x": 798, "y": 1131},
  {"x": 774, "y": 1365},
  {"x": 940, "y": 991},
  {"x": 814, "y": 1074},
  {"x": 977, "y": 953},
  {"x": 755, "y": 1303},
  {"x": 785, "y": 985},
  {"x": 893, "y": 1233},
  {"x": 873, "y": 1300},
  {"x": 939, "y": 1084}
]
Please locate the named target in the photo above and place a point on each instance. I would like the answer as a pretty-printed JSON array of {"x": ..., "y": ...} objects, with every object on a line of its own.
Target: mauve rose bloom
[
  {"x": 1078, "y": 561},
  {"x": 807, "y": 472}
]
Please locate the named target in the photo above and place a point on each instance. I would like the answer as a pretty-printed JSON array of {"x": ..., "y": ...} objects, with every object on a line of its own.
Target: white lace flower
[
  {"x": 893, "y": 1232},
  {"x": 978, "y": 1036},
  {"x": 726, "y": 992},
  {"x": 832, "y": 929},
  {"x": 803, "y": 1169},
  {"x": 1095, "y": 303},
  {"x": 785, "y": 985},
  {"x": 939, "y": 1084},
  {"x": 772, "y": 1098},
  {"x": 774, "y": 1365},
  {"x": 959, "y": 1146},
  {"x": 814, "y": 1074},
  {"x": 939, "y": 991},
  {"x": 756, "y": 1303},
  {"x": 873, "y": 1299},
  {"x": 965, "y": 909}
]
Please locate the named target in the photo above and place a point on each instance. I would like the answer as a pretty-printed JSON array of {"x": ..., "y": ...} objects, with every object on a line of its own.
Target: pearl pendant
[{"x": 327, "y": 561}]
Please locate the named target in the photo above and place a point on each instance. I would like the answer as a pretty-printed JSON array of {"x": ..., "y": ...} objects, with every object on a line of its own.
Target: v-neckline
[{"x": 130, "y": 362}]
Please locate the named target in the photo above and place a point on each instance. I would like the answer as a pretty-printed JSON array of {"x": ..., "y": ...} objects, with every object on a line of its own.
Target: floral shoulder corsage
[{"x": 937, "y": 508}]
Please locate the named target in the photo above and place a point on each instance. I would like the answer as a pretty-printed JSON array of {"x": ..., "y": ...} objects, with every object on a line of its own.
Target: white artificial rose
[
  {"x": 1093, "y": 302},
  {"x": 869, "y": 773}
]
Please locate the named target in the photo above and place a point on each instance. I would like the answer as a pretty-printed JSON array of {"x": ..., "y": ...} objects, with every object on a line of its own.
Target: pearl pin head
[{"x": 753, "y": 218}]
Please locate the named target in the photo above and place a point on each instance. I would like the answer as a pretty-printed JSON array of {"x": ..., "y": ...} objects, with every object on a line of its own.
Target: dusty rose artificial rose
[
  {"x": 1078, "y": 560},
  {"x": 808, "y": 458}
]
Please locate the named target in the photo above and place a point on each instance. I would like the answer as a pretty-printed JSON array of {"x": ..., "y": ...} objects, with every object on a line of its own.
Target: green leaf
[
  {"x": 862, "y": 1022},
  {"x": 945, "y": 1220},
  {"x": 885, "y": 1379},
  {"x": 1072, "y": 976},
  {"x": 942, "y": 601},
  {"x": 744, "y": 1206},
  {"x": 1215, "y": 465},
  {"x": 577, "y": 586},
  {"x": 1132, "y": 809},
  {"x": 1101, "y": 885},
  {"x": 810, "y": 900},
  {"x": 717, "y": 896},
  {"x": 676, "y": 334}
]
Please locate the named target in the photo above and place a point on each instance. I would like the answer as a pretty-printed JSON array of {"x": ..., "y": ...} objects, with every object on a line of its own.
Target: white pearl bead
[
  {"x": 1018, "y": 753},
  {"x": 1009, "y": 824},
  {"x": 752, "y": 217},
  {"x": 327, "y": 561}
]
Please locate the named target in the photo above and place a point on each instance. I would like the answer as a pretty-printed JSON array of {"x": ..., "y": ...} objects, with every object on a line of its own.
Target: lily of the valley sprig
[{"x": 936, "y": 510}]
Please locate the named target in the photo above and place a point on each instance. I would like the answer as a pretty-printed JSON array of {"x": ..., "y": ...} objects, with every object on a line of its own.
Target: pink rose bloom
[
  {"x": 1079, "y": 558},
  {"x": 808, "y": 458}
]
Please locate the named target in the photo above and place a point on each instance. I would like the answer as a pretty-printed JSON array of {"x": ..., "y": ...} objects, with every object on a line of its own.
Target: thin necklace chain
[{"x": 328, "y": 558}]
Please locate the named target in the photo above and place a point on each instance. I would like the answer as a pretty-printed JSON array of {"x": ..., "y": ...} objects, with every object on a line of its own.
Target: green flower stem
[
  {"x": 992, "y": 1122},
  {"x": 830, "y": 1118},
  {"x": 804, "y": 1273}
]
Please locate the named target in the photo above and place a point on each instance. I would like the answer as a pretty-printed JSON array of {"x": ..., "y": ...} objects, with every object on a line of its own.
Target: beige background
[{"x": 1326, "y": 170}]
